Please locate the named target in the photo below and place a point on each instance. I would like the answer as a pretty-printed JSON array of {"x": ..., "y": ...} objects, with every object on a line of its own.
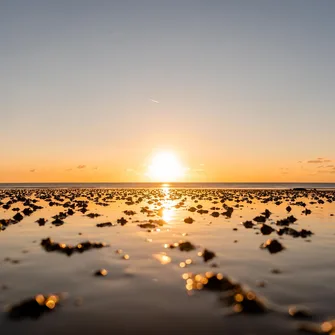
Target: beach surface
[{"x": 166, "y": 260}]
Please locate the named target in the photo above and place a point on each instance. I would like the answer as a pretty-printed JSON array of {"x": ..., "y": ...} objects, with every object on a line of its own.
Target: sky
[{"x": 236, "y": 91}]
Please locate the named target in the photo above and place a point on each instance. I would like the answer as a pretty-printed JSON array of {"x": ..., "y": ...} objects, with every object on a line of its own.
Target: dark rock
[
  {"x": 260, "y": 219},
  {"x": 101, "y": 273},
  {"x": 41, "y": 221},
  {"x": 93, "y": 215},
  {"x": 299, "y": 312},
  {"x": 34, "y": 308},
  {"x": 273, "y": 246},
  {"x": 266, "y": 229},
  {"x": 105, "y": 224},
  {"x": 208, "y": 255},
  {"x": 248, "y": 224},
  {"x": 122, "y": 221},
  {"x": 188, "y": 220},
  {"x": 18, "y": 217}
]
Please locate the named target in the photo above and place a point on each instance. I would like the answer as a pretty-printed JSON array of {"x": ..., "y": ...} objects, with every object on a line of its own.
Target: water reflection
[{"x": 168, "y": 211}]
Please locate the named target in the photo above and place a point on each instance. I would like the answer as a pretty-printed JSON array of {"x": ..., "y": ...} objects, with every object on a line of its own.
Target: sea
[{"x": 188, "y": 185}]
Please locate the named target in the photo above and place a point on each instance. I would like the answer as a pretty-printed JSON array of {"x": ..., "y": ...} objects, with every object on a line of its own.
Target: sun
[{"x": 165, "y": 167}]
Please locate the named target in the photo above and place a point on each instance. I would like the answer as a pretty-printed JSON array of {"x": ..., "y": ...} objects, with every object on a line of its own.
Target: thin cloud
[
  {"x": 319, "y": 161},
  {"x": 81, "y": 166},
  {"x": 155, "y": 101},
  {"x": 326, "y": 171},
  {"x": 32, "y": 170},
  {"x": 315, "y": 161},
  {"x": 67, "y": 170}
]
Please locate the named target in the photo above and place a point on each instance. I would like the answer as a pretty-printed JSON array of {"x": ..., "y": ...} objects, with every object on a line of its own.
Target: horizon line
[{"x": 174, "y": 182}]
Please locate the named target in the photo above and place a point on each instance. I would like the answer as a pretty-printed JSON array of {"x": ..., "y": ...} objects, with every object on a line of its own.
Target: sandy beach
[{"x": 159, "y": 261}]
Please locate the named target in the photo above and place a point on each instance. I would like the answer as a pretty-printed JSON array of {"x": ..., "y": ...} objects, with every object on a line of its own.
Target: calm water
[
  {"x": 172, "y": 185},
  {"x": 145, "y": 294}
]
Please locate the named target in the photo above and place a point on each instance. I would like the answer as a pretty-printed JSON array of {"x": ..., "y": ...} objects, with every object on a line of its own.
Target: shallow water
[{"x": 140, "y": 294}]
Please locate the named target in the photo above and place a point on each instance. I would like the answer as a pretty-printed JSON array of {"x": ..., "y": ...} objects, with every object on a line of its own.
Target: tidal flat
[{"x": 167, "y": 260}]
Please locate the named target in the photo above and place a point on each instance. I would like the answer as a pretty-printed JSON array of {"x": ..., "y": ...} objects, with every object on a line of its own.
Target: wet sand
[{"x": 155, "y": 261}]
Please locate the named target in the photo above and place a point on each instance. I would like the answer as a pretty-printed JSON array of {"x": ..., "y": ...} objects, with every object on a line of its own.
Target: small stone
[
  {"x": 188, "y": 220},
  {"x": 18, "y": 217},
  {"x": 260, "y": 218},
  {"x": 101, "y": 273},
  {"x": 248, "y": 224},
  {"x": 273, "y": 246},
  {"x": 299, "y": 312},
  {"x": 122, "y": 221},
  {"x": 266, "y": 229},
  {"x": 208, "y": 255}
]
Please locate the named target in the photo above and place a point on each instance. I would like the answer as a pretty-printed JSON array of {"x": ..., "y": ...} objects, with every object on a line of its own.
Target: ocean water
[
  {"x": 188, "y": 185},
  {"x": 147, "y": 291}
]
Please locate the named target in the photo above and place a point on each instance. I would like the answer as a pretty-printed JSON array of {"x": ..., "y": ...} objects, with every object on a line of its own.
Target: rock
[
  {"x": 183, "y": 246},
  {"x": 192, "y": 209},
  {"x": 101, "y": 273},
  {"x": 188, "y": 220},
  {"x": 248, "y": 224},
  {"x": 208, "y": 255},
  {"x": 34, "y": 308},
  {"x": 51, "y": 246},
  {"x": 209, "y": 281},
  {"x": 122, "y": 221},
  {"x": 267, "y": 213},
  {"x": 287, "y": 221},
  {"x": 105, "y": 224},
  {"x": 266, "y": 229},
  {"x": 27, "y": 211},
  {"x": 299, "y": 312},
  {"x": 93, "y": 215},
  {"x": 292, "y": 232},
  {"x": 306, "y": 211},
  {"x": 215, "y": 214},
  {"x": 229, "y": 211},
  {"x": 147, "y": 225},
  {"x": 129, "y": 212},
  {"x": 41, "y": 221},
  {"x": 273, "y": 246},
  {"x": 18, "y": 217},
  {"x": 57, "y": 222},
  {"x": 260, "y": 219},
  {"x": 288, "y": 209}
]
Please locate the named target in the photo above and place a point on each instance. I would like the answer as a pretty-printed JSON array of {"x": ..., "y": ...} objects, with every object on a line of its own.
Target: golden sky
[{"x": 233, "y": 90}]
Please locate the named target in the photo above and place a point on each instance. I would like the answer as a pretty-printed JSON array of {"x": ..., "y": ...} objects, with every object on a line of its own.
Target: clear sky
[{"x": 235, "y": 90}]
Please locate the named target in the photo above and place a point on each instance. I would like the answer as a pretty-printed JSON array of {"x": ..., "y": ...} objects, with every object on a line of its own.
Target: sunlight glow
[{"x": 165, "y": 167}]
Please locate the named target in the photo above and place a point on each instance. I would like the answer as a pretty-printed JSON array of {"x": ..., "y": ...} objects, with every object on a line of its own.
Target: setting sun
[{"x": 165, "y": 167}]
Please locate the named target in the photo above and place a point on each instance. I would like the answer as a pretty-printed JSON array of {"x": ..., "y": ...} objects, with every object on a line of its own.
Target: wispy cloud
[
  {"x": 155, "y": 101},
  {"x": 81, "y": 166},
  {"x": 32, "y": 170},
  {"x": 319, "y": 160},
  {"x": 67, "y": 170},
  {"x": 284, "y": 170},
  {"x": 326, "y": 171}
]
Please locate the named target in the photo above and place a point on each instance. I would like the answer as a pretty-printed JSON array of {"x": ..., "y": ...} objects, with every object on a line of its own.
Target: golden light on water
[
  {"x": 168, "y": 214},
  {"x": 162, "y": 258}
]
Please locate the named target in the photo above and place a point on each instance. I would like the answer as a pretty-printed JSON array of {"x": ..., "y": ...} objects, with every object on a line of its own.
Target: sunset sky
[{"x": 231, "y": 90}]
